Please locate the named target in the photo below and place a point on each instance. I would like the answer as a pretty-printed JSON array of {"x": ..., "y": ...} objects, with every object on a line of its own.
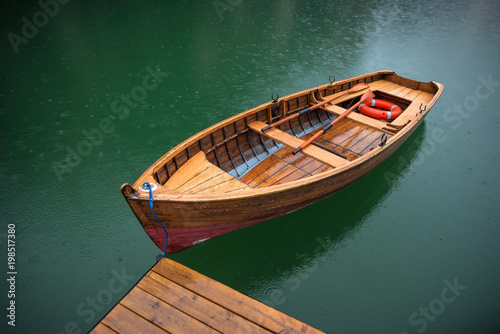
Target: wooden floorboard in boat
[
  {"x": 296, "y": 159},
  {"x": 367, "y": 143},
  {"x": 321, "y": 169},
  {"x": 341, "y": 138},
  {"x": 263, "y": 166},
  {"x": 278, "y": 167},
  {"x": 294, "y": 176},
  {"x": 283, "y": 167},
  {"x": 302, "y": 163},
  {"x": 312, "y": 166},
  {"x": 273, "y": 178},
  {"x": 350, "y": 138},
  {"x": 359, "y": 137},
  {"x": 339, "y": 135}
]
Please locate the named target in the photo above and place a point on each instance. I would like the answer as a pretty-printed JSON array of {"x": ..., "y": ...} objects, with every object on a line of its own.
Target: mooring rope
[{"x": 148, "y": 186}]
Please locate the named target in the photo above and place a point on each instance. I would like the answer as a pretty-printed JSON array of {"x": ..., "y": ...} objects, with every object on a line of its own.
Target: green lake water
[{"x": 411, "y": 248}]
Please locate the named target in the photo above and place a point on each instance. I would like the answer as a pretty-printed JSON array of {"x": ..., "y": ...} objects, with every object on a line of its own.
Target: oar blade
[
  {"x": 358, "y": 87},
  {"x": 366, "y": 97}
]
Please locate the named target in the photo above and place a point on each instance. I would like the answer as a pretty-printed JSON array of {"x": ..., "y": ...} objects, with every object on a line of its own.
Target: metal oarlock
[
  {"x": 422, "y": 110},
  {"x": 383, "y": 140}
]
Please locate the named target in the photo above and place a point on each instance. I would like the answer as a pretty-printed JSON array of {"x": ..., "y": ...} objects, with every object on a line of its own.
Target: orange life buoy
[{"x": 390, "y": 112}]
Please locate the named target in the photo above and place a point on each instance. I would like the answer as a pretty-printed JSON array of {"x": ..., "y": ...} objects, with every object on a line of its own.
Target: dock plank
[
  {"x": 102, "y": 329},
  {"x": 124, "y": 321},
  {"x": 197, "y": 307},
  {"x": 172, "y": 298},
  {"x": 162, "y": 314},
  {"x": 230, "y": 299}
]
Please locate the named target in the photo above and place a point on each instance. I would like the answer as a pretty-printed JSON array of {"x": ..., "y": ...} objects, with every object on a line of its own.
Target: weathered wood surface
[{"x": 172, "y": 298}]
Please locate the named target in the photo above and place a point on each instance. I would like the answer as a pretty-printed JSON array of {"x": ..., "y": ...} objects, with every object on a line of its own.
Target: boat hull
[
  {"x": 191, "y": 219},
  {"x": 181, "y": 238}
]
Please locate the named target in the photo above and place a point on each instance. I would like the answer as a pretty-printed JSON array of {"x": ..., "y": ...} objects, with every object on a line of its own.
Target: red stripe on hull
[{"x": 180, "y": 238}]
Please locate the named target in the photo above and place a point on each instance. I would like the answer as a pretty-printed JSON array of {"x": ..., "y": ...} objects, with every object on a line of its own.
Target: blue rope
[{"x": 144, "y": 185}]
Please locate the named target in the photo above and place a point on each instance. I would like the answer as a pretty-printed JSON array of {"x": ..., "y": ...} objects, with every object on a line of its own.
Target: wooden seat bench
[
  {"x": 198, "y": 175},
  {"x": 291, "y": 141}
]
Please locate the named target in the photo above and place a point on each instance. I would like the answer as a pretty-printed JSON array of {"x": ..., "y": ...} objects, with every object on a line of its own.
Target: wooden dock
[{"x": 172, "y": 298}]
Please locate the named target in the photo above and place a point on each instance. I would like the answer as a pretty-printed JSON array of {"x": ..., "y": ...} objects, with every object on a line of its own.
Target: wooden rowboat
[{"x": 233, "y": 174}]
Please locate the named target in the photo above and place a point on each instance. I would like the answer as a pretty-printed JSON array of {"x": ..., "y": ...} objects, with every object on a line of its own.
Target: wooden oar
[
  {"x": 365, "y": 98},
  {"x": 353, "y": 89}
]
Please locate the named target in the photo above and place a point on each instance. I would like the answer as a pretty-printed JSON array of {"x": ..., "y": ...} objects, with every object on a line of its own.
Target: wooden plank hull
[
  {"x": 184, "y": 237},
  {"x": 208, "y": 188}
]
